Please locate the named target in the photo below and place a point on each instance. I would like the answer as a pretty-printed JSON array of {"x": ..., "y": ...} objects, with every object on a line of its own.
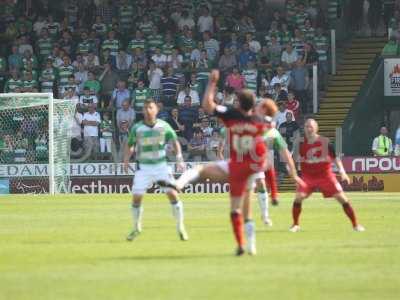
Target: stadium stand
[{"x": 110, "y": 53}]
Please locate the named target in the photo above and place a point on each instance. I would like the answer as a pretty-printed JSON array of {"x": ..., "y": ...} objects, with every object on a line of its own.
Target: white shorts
[
  {"x": 252, "y": 180},
  {"x": 147, "y": 175},
  {"x": 224, "y": 166}
]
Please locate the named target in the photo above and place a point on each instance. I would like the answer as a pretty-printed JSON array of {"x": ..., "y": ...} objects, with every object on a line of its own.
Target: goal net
[{"x": 35, "y": 142}]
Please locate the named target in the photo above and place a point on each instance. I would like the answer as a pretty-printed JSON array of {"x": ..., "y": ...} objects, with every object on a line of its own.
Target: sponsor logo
[{"x": 372, "y": 164}]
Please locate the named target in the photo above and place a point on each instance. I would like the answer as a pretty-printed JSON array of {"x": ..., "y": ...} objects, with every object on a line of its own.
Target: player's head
[
  {"x": 246, "y": 100},
  {"x": 310, "y": 128},
  {"x": 383, "y": 130},
  {"x": 266, "y": 107},
  {"x": 150, "y": 110}
]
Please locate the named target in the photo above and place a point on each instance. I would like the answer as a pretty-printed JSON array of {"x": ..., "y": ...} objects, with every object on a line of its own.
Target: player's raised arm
[{"x": 209, "y": 104}]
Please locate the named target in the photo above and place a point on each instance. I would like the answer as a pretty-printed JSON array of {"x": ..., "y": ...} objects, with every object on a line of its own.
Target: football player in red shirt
[{"x": 316, "y": 154}]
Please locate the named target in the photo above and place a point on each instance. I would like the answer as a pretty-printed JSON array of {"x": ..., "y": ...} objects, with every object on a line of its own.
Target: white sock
[
  {"x": 188, "y": 176},
  {"x": 250, "y": 231},
  {"x": 137, "y": 213},
  {"x": 177, "y": 212},
  {"x": 263, "y": 202}
]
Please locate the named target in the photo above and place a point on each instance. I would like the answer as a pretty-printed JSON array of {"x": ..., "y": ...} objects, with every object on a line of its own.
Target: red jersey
[
  {"x": 245, "y": 136},
  {"x": 294, "y": 106},
  {"x": 315, "y": 158}
]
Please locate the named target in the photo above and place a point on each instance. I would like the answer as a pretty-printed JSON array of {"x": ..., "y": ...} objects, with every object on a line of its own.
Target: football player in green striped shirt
[{"x": 148, "y": 140}]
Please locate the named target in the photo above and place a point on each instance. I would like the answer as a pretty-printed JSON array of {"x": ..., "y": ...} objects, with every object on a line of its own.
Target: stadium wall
[{"x": 366, "y": 173}]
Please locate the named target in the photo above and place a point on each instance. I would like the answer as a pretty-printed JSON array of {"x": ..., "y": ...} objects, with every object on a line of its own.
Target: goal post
[{"x": 36, "y": 129}]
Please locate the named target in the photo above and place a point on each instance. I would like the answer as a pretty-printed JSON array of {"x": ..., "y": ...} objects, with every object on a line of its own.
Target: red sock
[
  {"x": 296, "y": 210},
  {"x": 237, "y": 226},
  {"x": 270, "y": 180},
  {"x": 350, "y": 213}
]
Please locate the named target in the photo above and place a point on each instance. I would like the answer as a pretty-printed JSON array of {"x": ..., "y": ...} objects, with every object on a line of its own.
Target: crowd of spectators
[{"x": 109, "y": 56}]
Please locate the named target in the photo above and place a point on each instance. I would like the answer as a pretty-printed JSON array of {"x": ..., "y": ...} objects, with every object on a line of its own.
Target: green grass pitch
[{"x": 73, "y": 247}]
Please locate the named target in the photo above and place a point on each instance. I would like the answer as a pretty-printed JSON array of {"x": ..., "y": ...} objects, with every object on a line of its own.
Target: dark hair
[
  {"x": 149, "y": 101},
  {"x": 246, "y": 100}
]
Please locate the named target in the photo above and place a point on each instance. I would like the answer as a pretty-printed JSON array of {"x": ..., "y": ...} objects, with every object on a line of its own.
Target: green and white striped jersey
[
  {"x": 321, "y": 44},
  {"x": 45, "y": 47},
  {"x": 112, "y": 45},
  {"x": 136, "y": 43},
  {"x": 126, "y": 16},
  {"x": 30, "y": 84},
  {"x": 154, "y": 41},
  {"x": 250, "y": 77},
  {"x": 47, "y": 79},
  {"x": 12, "y": 84},
  {"x": 332, "y": 10},
  {"x": 64, "y": 72},
  {"x": 139, "y": 97},
  {"x": 146, "y": 28},
  {"x": 150, "y": 141}
]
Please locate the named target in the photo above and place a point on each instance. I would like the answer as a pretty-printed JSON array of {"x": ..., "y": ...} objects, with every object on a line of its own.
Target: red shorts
[
  {"x": 239, "y": 174},
  {"x": 327, "y": 184}
]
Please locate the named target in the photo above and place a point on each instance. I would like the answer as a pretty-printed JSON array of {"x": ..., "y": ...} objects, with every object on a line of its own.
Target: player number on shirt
[{"x": 242, "y": 144}]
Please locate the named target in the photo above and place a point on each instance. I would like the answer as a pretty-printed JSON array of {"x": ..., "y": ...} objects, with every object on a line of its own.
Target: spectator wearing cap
[
  {"x": 197, "y": 146},
  {"x": 120, "y": 94},
  {"x": 91, "y": 121},
  {"x": 280, "y": 116},
  {"x": 188, "y": 91},
  {"x": 382, "y": 144},
  {"x": 188, "y": 116}
]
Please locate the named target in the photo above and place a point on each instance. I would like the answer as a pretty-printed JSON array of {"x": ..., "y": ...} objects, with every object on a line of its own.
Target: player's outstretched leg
[
  {"x": 178, "y": 213},
  {"x": 137, "y": 213},
  {"x": 349, "y": 211}
]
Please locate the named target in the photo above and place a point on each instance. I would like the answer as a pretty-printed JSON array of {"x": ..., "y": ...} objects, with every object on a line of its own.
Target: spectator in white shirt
[
  {"x": 91, "y": 121},
  {"x": 289, "y": 57},
  {"x": 205, "y": 21},
  {"x": 154, "y": 74},
  {"x": 123, "y": 61},
  {"x": 188, "y": 91},
  {"x": 254, "y": 45},
  {"x": 210, "y": 45},
  {"x": 280, "y": 116},
  {"x": 159, "y": 59},
  {"x": 186, "y": 21},
  {"x": 281, "y": 78}
]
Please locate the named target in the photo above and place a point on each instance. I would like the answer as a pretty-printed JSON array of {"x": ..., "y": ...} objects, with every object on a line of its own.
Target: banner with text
[{"x": 392, "y": 76}]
